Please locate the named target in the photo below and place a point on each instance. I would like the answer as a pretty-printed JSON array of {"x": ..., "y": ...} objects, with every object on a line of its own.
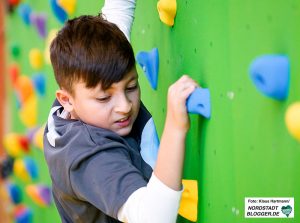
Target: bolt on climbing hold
[
  {"x": 271, "y": 75},
  {"x": 199, "y": 102},
  {"x": 167, "y": 11},
  {"x": 149, "y": 62}
]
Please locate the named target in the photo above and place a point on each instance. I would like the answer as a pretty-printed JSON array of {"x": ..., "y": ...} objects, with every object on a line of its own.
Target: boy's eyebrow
[{"x": 135, "y": 77}]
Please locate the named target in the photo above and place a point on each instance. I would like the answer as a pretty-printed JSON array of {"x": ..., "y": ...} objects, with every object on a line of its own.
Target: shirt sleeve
[
  {"x": 154, "y": 203},
  {"x": 120, "y": 12},
  {"x": 106, "y": 179}
]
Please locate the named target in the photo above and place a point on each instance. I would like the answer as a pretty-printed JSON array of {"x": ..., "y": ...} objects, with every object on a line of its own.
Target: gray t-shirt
[{"x": 94, "y": 170}]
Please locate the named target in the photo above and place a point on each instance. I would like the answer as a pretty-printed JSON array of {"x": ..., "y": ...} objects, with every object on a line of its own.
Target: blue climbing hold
[
  {"x": 24, "y": 10},
  {"x": 199, "y": 102},
  {"x": 149, "y": 61},
  {"x": 23, "y": 214},
  {"x": 271, "y": 75},
  {"x": 31, "y": 167},
  {"x": 39, "y": 82},
  {"x": 58, "y": 11},
  {"x": 15, "y": 193}
]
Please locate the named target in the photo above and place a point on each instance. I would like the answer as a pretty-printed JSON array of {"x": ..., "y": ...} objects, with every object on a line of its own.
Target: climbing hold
[
  {"x": 28, "y": 112},
  {"x": 58, "y": 11},
  {"x": 35, "y": 58},
  {"x": 39, "y": 82},
  {"x": 14, "y": 73},
  {"x": 25, "y": 169},
  {"x": 51, "y": 36},
  {"x": 35, "y": 136},
  {"x": 189, "y": 200},
  {"x": 15, "y": 144},
  {"x": 38, "y": 138},
  {"x": 199, "y": 102},
  {"x": 39, "y": 22},
  {"x": 11, "y": 145},
  {"x": 292, "y": 120},
  {"x": 22, "y": 214},
  {"x": 14, "y": 2},
  {"x": 31, "y": 132},
  {"x": 24, "y": 143},
  {"x": 149, "y": 61},
  {"x": 15, "y": 50},
  {"x": 271, "y": 75},
  {"x": 6, "y": 167},
  {"x": 15, "y": 193},
  {"x": 24, "y": 88},
  {"x": 31, "y": 167},
  {"x": 40, "y": 194},
  {"x": 20, "y": 171},
  {"x": 24, "y": 10},
  {"x": 68, "y": 5},
  {"x": 167, "y": 11}
]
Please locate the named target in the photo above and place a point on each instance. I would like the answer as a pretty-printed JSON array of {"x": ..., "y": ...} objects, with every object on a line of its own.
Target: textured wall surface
[{"x": 244, "y": 150}]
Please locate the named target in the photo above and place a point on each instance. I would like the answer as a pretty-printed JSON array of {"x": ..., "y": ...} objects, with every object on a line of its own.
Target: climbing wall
[
  {"x": 244, "y": 149},
  {"x": 30, "y": 87}
]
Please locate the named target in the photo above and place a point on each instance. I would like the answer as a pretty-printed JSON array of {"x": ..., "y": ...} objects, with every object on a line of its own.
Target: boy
[{"x": 94, "y": 135}]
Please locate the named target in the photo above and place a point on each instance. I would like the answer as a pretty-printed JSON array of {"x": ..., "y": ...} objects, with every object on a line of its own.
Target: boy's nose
[{"x": 123, "y": 105}]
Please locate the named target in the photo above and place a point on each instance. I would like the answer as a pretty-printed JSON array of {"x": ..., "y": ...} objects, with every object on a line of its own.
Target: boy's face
[{"x": 115, "y": 108}]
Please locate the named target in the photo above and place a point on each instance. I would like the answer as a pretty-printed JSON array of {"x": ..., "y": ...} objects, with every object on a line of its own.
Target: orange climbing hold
[
  {"x": 167, "y": 11},
  {"x": 24, "y": 88},
  {"x": 40, "y": 194}
]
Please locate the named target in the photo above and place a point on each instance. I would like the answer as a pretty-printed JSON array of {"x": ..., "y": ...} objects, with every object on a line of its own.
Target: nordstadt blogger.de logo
[{"x": 269, "y": 207}]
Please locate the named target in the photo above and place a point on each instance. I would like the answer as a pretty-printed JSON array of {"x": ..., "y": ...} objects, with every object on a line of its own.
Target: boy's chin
[{"x": 124, "y": 131}]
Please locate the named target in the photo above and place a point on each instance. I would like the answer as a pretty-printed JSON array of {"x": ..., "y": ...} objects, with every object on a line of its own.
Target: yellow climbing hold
[
  {"x": 167, "y": 11},
  {"x": 51, "y": 36},
  {"x": 189, "y": 200},
  {"x": 28, "y": 112},
  {"x": 12, "y": 145},
  {"x": 38, "y": 138},
  {"x": 67, "y": 5},
  {"x": 20, "y": 170},
  {"x": 36, "y": 58},
  {"x": 292, "y": 120}
]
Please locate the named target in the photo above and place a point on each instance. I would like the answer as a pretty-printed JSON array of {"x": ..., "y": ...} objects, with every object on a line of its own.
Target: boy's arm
[
  {"x": 120, "y": 12},
  {"x": 159, "y": 201},
  {"x": 172, "y": 148}
]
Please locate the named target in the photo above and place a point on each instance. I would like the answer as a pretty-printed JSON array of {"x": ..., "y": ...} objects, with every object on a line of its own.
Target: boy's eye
[
  {"x": 132, "y": 88},
  {"x": 103, "y": 99}
]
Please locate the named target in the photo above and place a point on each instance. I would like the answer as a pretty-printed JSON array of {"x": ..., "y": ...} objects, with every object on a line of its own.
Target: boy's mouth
[{"x": 124, "y": 122}]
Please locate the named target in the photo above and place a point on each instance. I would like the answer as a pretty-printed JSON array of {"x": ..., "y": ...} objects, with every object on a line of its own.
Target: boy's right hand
[
  {"x": 169, "y": 164},
  {"x": 177, "y": 115}
]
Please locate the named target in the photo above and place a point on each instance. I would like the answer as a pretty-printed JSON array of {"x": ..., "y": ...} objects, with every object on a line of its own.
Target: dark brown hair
[{"x": 92, "y": 50}]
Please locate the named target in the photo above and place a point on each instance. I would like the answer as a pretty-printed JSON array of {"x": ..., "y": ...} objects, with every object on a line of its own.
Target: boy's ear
[{"x": 65, "y": 99}]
